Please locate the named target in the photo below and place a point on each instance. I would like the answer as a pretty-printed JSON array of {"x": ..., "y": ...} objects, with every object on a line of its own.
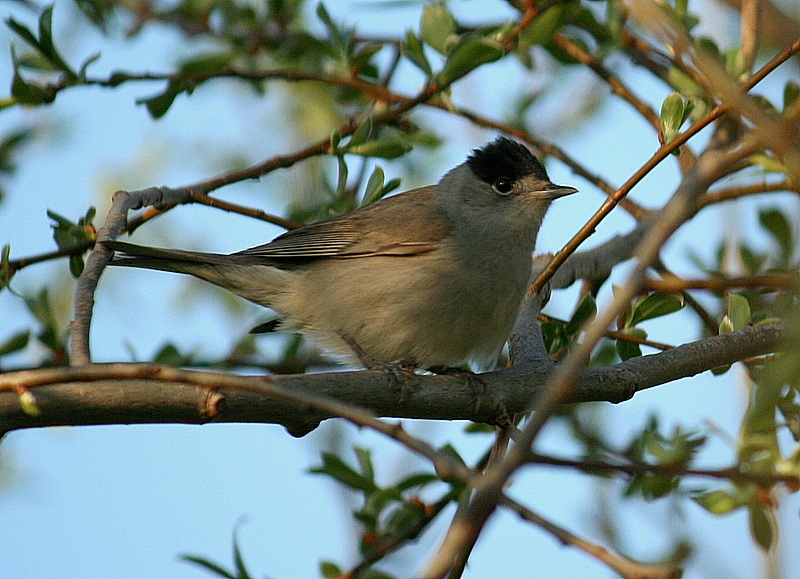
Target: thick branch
[{"x": 91, "y": 395}]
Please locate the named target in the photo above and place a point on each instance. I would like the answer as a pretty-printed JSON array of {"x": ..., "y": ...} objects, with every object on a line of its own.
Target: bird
[{"x": 430, "y": 277}]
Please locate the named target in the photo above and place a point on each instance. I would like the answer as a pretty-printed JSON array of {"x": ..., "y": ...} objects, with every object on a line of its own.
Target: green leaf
[
  {"x": 28, "y": 93},
  {"x": 438, "y": 27},
  {"x": 627, "y": 350},
  {"x": 656, "y": 486},
  {"x": 362, "y": 133},
  {"x": 23, "y": 32},
  {"x": 76, "y": 265},
  {"x": 735, "y": 63},
  {"x": 329, "y": 570},
  {"x": 761, "y": 526},
  {"x": 170, "y": 355},
  {"x": 29, "y": 404},
  {"x": 15, "y": 343},
  {"x": 44, "y": 43},
  {"x": 759, "y": 450},
  {"x": 209, "y": 565},
  {"x": 390, "y": 186},
  {"x": 656, "y": 305},
  {"x": 339, "y": 37},
  {"x": 5, "y": 266},
  {"x": 467, "y": 56},
  {"x": 364, "y": 457},
  {"x": 341, "y": 179},
  {"x": 336, "y": 468},
  {"x": 414, "y": 51},
  {"x": 790, "y": 93},
  {"x": 778, "y": 226},
  {"x": 374, "y": 188},
  {"x": 39, "y": 306},
  {"x": 159, "y": 104},
  {"x": 207, "y": 63},
  {"x": 684, "y": 84},
  {"x": 386, "y": 148},
  {"x": 585, "y": 311},
  {"x": 542, "y": 29},
  {"x": 769, "y": 163},
  {"x": 555, "y": 338},
  {"x": 417, "y": 480},
  {"x": 737, "y": 316},
  {"x": 673, "y": 113},
  {"x": 719, "y": 502}
]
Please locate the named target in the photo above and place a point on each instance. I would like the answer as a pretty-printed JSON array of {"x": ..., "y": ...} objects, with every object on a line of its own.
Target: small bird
[{"x": 432, "y": 277}]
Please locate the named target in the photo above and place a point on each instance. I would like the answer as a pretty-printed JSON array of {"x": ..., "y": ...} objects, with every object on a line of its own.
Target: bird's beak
[{"x": 556, "y": 191}]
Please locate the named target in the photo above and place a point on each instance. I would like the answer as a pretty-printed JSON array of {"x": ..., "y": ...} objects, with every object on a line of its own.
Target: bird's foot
[
  {"x": 476, "y": 384},
  {"x": 400, "y": 374}
]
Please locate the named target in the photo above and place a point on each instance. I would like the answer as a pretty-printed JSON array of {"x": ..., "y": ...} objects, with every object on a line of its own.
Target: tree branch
[{"x": 146, "y": 394}]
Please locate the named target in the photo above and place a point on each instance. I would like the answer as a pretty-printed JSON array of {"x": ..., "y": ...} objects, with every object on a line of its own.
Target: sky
[{"x": 126, "y": 501}]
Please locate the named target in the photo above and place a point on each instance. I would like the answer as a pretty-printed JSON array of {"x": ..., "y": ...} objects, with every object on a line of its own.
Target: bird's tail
[
  {"x": 238, "y": 274},
  {"x": 175, "y": 260}
]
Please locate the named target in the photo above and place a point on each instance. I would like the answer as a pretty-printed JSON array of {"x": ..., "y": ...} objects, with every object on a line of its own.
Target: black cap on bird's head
[
  {"x": 505, "y": 158},
  {"x": 504, "y": 162}
]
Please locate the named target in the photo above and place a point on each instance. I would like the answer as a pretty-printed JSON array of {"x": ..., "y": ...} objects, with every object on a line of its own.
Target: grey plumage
[{"x": 433, "y": 276}]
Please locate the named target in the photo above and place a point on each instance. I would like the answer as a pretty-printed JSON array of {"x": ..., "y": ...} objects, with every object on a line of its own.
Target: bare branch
[
  {"x": 782, "y": 281},
  {"x": 628, "y": 568},
  {"x": 732, "y": 473},
  {"x": 135, "y": 393}
]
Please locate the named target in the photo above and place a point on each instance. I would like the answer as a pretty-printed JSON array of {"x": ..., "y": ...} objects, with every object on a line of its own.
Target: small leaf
[
  {"x": 364, "y": 457},
  {"x": 627, "y": 350},
  {"x": 777, "y": 225},
  {"x": 159, "y": 104},
  {"x": 761, "y": 526},
  {"x": 769, "y": 163},
  {"x": 23, "y": 32},
  {"x": 468, "y": 56},
  {"x": 29, "y": 404},
  {"x": 15, "y": 343},
  {"x": 738, "y": 311},
  {"x": 656, "y": 305},
  {"x": 414, "y": 51},
  {"x": 437, "y": 27},
  {"x": 790, "y": 93},
  {"x": 417, "y": 480},
  {"x": 673, "y": 112},
  {"x": 541, "y": 30},
  {"x": 5, "y": 266},
  {"x": 362, "y": 133},
  {"x": 329, "y": 570},
  {"x": 76, "y": 265},
  {"x": 207, "y": 63},
  {"x": 719, "y": 502},
  {"x": 586, "y": 310},
  {"x": 209, "y": 565},
  {"x": 374, "y": 188},
  {"x": 336, "y": 468},
  {"x": 341, "y": 179},
  {"x": 388, "y": 148},
  {"x": 28, "y": 93}
]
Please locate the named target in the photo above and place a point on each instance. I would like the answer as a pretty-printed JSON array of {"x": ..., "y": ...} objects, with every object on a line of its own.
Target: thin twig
[
  {"x": 17, "y": 264},
  {"x": 774, "y": 281},
  {"x": 628, "y": 568},
  {"x": 730, "y": 193}
]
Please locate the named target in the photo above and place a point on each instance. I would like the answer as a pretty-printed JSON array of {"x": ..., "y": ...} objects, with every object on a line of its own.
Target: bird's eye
[{"x": 503, "y": 185}]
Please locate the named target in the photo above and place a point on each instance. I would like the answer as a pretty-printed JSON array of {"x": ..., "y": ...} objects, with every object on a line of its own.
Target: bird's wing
[{"x": 407, "y": 224}]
